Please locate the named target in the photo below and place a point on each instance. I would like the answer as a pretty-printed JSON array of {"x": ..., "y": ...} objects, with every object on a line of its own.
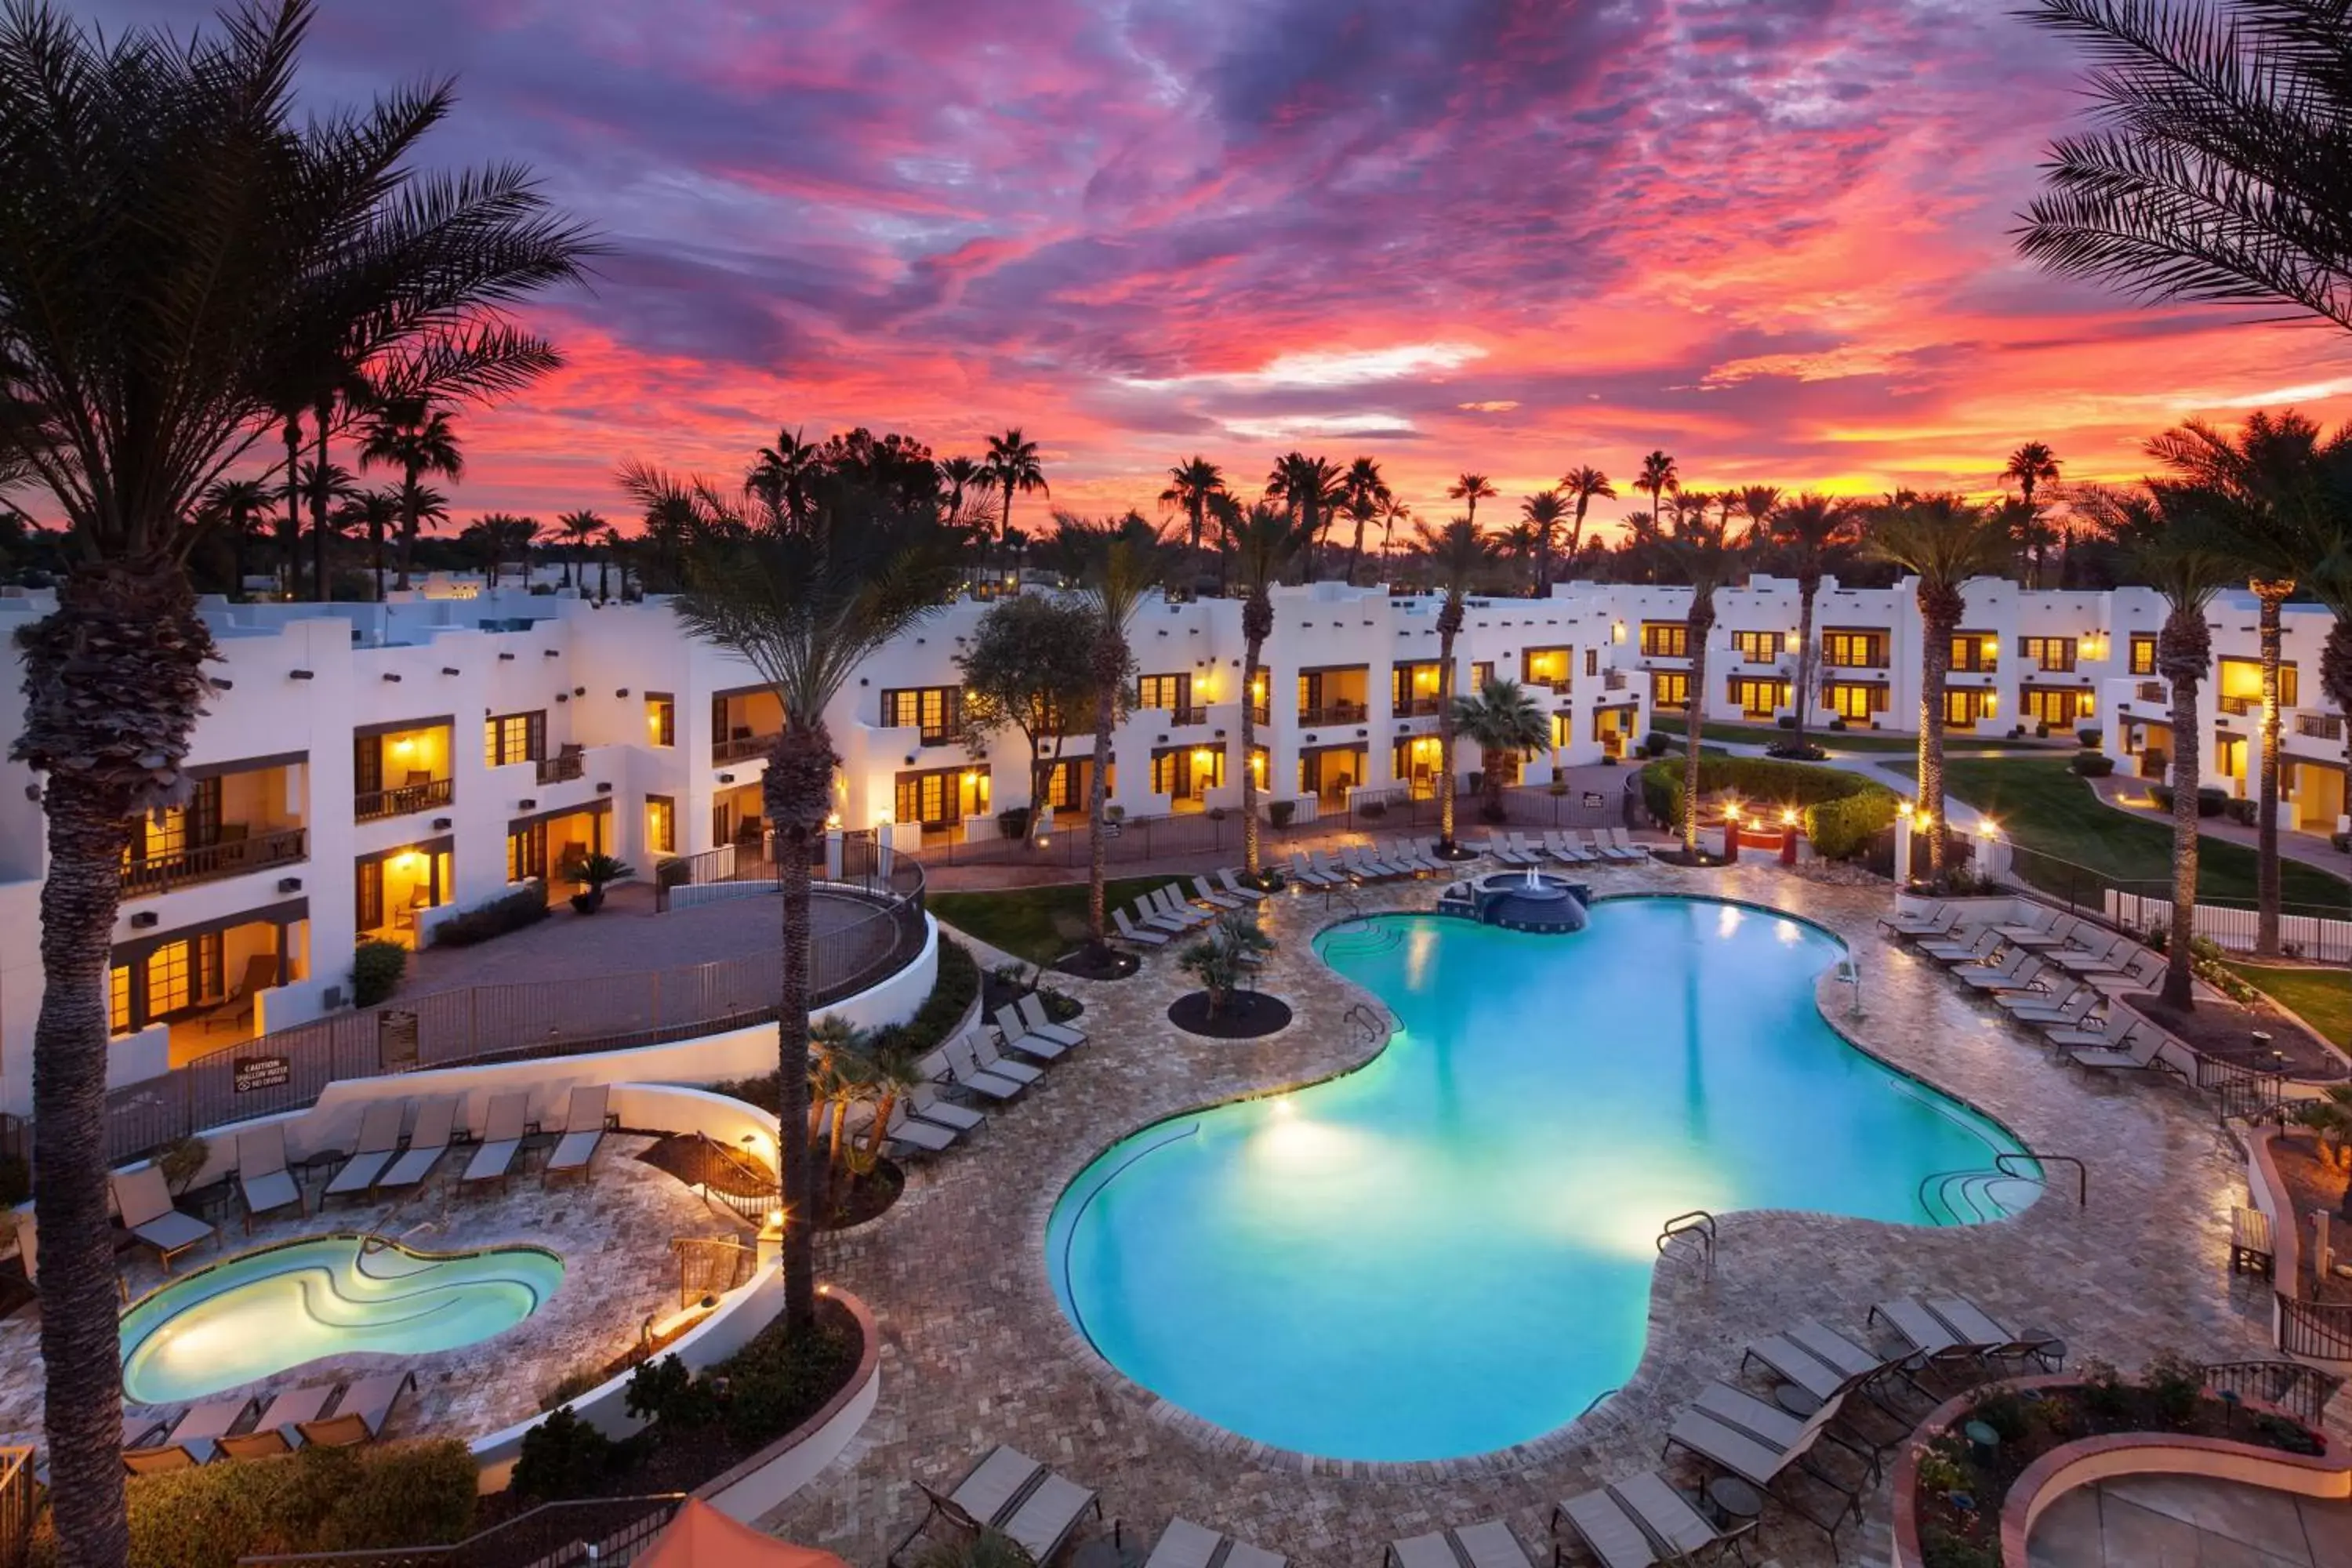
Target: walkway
[
  {"x": 2157, "y": 1521},
  {"x": 2130, "y": 795}
]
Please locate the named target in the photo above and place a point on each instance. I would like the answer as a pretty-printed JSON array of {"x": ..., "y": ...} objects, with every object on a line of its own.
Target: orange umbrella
[{"x": 702, "y": 1537}]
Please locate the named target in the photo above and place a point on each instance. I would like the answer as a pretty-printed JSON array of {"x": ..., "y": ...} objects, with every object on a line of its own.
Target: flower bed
[{"x": 1951, "y": 1487}]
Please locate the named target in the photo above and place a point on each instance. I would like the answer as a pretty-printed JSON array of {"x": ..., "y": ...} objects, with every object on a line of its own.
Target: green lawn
[
  {"x": 1838, "y": 739},
  {"x": 1032, "y": 923},
  {"x": 2043, "y": 807},
  {"x": 2322, "y": 997}
]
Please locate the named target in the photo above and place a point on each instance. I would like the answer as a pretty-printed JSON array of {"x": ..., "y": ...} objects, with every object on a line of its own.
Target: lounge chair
[
  {"x": 984, "y": 1052},
  {"x": 1152, "y": 912},
  {"x": 1934, "y": 921},
  {"x": 2043, "y": 937},
  {"x": 1129, "y": 931},
  {"x": 192, "y": 1440},
  {"x": 140, "y": 1428},
  {"x": 1622, "y": 842},
  {"x": 2035, "y": 923},
  {"x": 1013, "y": 1494},
  {"x": 1040, "y": 1021},
  {"x": 1490, "y": 1544},
  {"x": 1566, "y": 849},
  {"x": 435, "y": 1118},
  {"x": 278, "y": 1429},
  {"x": 379, "y": 1140},
  {"x": 1337, "y": 873},
  {"x": 2048, "y": 1007},
  {"x": 1767, "y": 1423},
  {"x": 1018, "y": 1036},
  {"x": 1933, "y": 1341},
  {"x": 148, "y": 1214},
  {"x": 1766, "y": 1465},
  {"x": 236, "y": 1009},
  {"x": 1502, "y": 851},
  {"x": 1793, "y": 1363},
  {"x": 928, "y": 1104},
  {"x": 910, "y": 1133},
  {"x": 262, "y": 1177},
  {"x": 362, "y": 1414},
  {"x": 1301, "y": 872},
  {"x": 1169, "y": 898},
  {"x": 2144, "y": 1053},
  {"x": 1960, "y": 948},
  {"x": 2022, "y": 971},
  {"x": 1526, "y": 849},
  {"x": 2094, "y": 957},
  {"x": 1978, "y": 1328},
  {"x": 502, "y": 1139},
  {"x": 585, "y": 1122},
  {"x": 964, "y": 1070},
  {"x": 1640, "y": 1520},
  {"x": 1372, "y": 866},
  {"x": 1239, "y": 888},
  {"x": 2144, "y": 972},
  {"x": 2106, "y": 1037},
  {"x": 1184, "y": 1545},
  {"x": 1410, "y": 855},
  {"x": 1202, "y": 892}
]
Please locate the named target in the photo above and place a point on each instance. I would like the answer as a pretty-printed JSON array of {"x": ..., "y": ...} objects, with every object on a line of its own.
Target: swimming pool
[
  {"x": 277, "y": 1307},
  {"x": 1449, "y": 1251}
]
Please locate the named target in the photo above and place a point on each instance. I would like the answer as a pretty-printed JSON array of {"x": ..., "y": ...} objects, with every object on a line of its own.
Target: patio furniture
[
  {"x": 1018, "y": 1036},
  {"x": 1040, "y": 1021},
  {"x": 261, "y": 1174},
  {"x": 1202, "y": 892},
  {"x": 2104, "y": 1037},
  {"x": 2091, "y": 952},
  {"x": 1184, "y": 1545},
  {"x": 2046, "y": 936},
  {"x": 1937, "y": 920},
  {"x": 903, "y": 1130},
  {"x": 1622, "y": 842},
  {"x": 378, "y": 1141},
  {"x": 928, "y": 1104},
  {"x": 2251, "y": 1248},
  {"x": 1960, "y": 949},
  {"x": 2040, "y": 1008},
  {"x": 278, "y": 1429},
  {"x": 1337, "y": 873},
  {"x": 237, "y": 1009},
  {"x": 2143, "y": 1053},
  {"x": 2144, "y": 972},
  {"x": 192, "y": 1440},
  {"x": 1642, "y": 1520},
  {"x": 1569, "y": 848},
  {"x": 1488, "y": 1544},
  {"x": 1239, "y": 888},
  {"x": 1301, "y": 871},
  {"x": 501, "y": 1140},
  {"x": 148, "y": 1213},
  {"x": 1767, "y": 1466},
  {"x": 1153, "y": 912},
  {"x": 585, "y": 1122},
  {"x": 964, "y": 1070},
  {"x": 362, "y": 1414},
  {"x": 1506, "y": 853},
  {"x": 1775, "y": 1424},
  {"x": 1011, "y": 1493},
  {"x": 1129, "y": 931},
  {"x": 2021, "y": 972},
  {"x": 990, "y": 1060},
  {"x": 435, "y": 1119}
]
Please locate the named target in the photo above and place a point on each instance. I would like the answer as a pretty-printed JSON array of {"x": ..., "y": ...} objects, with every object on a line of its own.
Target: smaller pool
[{"x": 279, "y": 1308}]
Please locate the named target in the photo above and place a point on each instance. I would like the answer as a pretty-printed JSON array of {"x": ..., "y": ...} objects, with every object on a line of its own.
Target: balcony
[
  {"x": 1420, "y": 707},
  {"x": 374, "y": 806},
  {"x": 1194, "y": 714},
  {"x": 1260, "y": 713},
  {"x": 744, "y": 748},
  {"x": 239, "y": 851},
  {"x": 1561, "y": 687},
  {"x": 1612, "y": 680},
  {"x": 568, "y": 763},
  {"x": 2241, "y": 706},
  {"x": 2319, "y": 726},
  {"x": 1332, "y": 713},
  {"x": 2151, "y": 691}
]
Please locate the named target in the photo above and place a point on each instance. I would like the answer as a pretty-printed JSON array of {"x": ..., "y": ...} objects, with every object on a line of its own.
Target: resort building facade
[{"x": 367, "y": 771}]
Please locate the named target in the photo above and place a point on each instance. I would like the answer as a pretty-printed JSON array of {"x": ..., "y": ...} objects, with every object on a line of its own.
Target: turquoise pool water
[
  {"x": 269, "y": 1311},
  {"x": 1449, "y": 1251}
]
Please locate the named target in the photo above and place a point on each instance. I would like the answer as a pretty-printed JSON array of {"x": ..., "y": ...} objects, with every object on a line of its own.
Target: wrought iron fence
[
  {"x": 605, "y": 1531},
  {"x": 2320, "y": 1330},
  {"x": 2299, "y": 1390},
  {"x": 20, "y": 1501}
]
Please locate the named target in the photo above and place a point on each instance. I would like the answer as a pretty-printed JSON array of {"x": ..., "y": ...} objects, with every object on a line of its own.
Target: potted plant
[{"x": 593, "y": 872}]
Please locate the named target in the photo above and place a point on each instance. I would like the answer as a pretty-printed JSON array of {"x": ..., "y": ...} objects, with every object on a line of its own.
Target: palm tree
[
  {"x": 610, "y": 540},
  {"x": 168, "y": 227},
  {"x": 1659, "y": 476},
  {"x": 1810, "y": 535},
  {"x": 804, "y": 604},
  {"x": 780, "y": 475},
  {"x": 1393, "y": 512},
  {"x": 2273, "y": 481},
  {"x": 235, "y": 506},
  {"x": 1504, "y": 722},
  {"x": 1192, "y": 484},
  {"x": 1542, "y": 512},
  {"x": 1310, "y": 490},
  {"x": 1014, "y": 464},
  {"x": 329, "y": 486},
  {"x": 1126, "y": 564},
  {"x": 1471, "y": 489},
  {"x": 1266, "y": 541},
  {"x": 419, "y": 438},
  {"x": 580, "y": 529},
  {"x": 1708, "y": 558},
  {"x": 961, "y": 474},
  {"x": 378, "y": 512},
  {"x": 1366, "y": 493},
  {"x": 1581, "y": 485},
  {"x": 1456, "y": 556},
  {"x": 1942, "y": 540},
  {"x": 2029, "y": 467},
  {"x": 1756, "y": 502},
  {"x": 2216, "y": 170}
]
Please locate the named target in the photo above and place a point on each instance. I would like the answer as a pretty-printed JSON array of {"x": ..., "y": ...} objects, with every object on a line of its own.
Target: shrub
[
  {"x": 525, "y": 906},
  {"x": 1060, "y": 1005},
  {"x": 1940, "y": 1547},
  {"x": 2211, "y": 800},
  {"x": 1013, "y": 822},
  {"x": 2162, "y": 794},
  {"x": 562, "y": 1456},
  {"x": 1838, "y": 725},
  {"x": 2241, "y": 812},
  {"x": 1786, "y": 721},
  {"x": 1373, "y": 810},
  {"x": 15, "y": 1181},
  {"x": 2103, "y": 1391},
  {"x": 2154, "y": 762},
  {"x": 2042, "y": 732},
  {"x": 376, "y": 968},
  {"x": 181, "y": 1159},
  {"x": 1840, "y": 812},
  {"x": 665, "y": 1390},
  {"x": 2092, "y": 764},
  {"x": 1655, "y": 742},
  {"x": 570, "y": 1386},
  {"x": 315, "y": 1500},
  {"x": 2174, "y": 1385},
  {"x": 2089, "y": 735},
  {"x": 2280, "y": 1432},
  {"x": 672, "y": 873},
  {"x": 781, "y": 1379},
  {"x": 1280, "y": 812},
  {"x": 2004, "y": 1412}
]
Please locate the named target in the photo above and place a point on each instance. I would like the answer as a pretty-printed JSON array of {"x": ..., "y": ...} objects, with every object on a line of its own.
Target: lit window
[
  {"x": 661, "y": 718},
  {"x": 661, "y": 824}
]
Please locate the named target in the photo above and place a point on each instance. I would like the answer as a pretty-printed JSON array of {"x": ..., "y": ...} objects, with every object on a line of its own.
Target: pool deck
[
  {"x": 613, "y": 1232},
  {"x": 976, "y": 1353}
]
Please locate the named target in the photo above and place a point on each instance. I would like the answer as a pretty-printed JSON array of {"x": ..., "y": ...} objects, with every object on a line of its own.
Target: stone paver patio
[
  {"x": 2161, "y": 1522},
  {"x": 976, "y": 1352}
]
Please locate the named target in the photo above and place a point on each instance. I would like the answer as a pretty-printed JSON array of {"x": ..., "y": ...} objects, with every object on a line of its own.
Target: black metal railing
[
  {"x": 565, "y": 764},
  {"x": 552, "y": 1535},
  {"x": 742, "y": 747},
  {"x": 212, "y": 862},
  {"x": 2300, "y": 1391},
  {"x": 1180, "y": 718},
  {"x": 374, "y": 806},
  {"x": 1332, "y": 713},
  {"x": 2320, "y": 1330}
]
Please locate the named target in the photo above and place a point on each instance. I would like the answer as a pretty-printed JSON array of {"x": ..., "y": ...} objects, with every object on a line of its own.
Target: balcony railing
[
  {"x": 568, "y": 763},
  {"x": 2320, "y": 726},
  {"x": 2153, "y": 691},
  {"x": 1420, "y": 707},
  {"x": 1612, "y": 680},
  {"x": 742, "y": 747},
  {"x": 2241, "y": 706},
  {"x": 1194, "y": 714},
  {"x": 1561, "y": 688},
  {"x": 1340, "y": 712},
  {"x": 211, "y": 862},
  {"x": 1260, "y": 713},
  {"x": 371, "y": 805}
]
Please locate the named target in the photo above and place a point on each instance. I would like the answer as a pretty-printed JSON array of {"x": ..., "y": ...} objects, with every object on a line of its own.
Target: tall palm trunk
[
  {"x": 2271, "y": 595},
  {"x": 1109, "y": 669},
  {"x": 321, "y": 581},
  {"x": 1449, "y": 626},
  {"x": 408, "y": 521},
  {"x": 375, "y": 552},
  {"x": 1808, "y": 588},
  {"x": 797, "y": 792},
  {"x": 1257, "y": 623},
  {"x": 289, "y": 538},
  {"x": 2183, "y": 647},
  {"x": 1699, "y": 627},
  {"x": 113, "y": 688},
  {"x": 1939, "y": 617},
  {"x": 1356, "y": 552},
  {"x": 603, "y": 575}
]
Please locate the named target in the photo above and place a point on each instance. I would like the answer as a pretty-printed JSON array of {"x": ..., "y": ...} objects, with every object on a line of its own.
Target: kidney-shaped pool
[{"x": 1449, "y": 1251}]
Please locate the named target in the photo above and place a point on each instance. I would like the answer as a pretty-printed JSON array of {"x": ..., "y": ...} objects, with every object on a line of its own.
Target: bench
[{"x": 2249, "y": 1241}]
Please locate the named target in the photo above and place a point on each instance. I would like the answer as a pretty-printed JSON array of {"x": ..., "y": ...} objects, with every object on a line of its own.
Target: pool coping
[{"x": 1546, "y": 1446}]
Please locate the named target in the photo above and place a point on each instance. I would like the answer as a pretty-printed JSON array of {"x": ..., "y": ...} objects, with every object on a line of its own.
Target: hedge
[
  {"x": 526, "y": 906},
  {"x": 1840, "y": 812},
  {"x": 314, "y": 1499}
]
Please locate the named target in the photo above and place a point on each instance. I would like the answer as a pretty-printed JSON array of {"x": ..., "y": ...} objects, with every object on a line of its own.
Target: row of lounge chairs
[
  {"x": 2056, "y": 973},
  {"x": 331, "y": 1415},
  {"x": 1012, "y": 1495},
  {"x": 1164, "y": 913},
  {"x": 989, "y": 1064},
  {"x": 1390, "y": 861},
  {"x": 1607, "y": 845}
]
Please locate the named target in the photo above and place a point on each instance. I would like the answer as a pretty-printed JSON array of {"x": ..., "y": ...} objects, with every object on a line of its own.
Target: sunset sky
[{"x": 1769, "y": 236}]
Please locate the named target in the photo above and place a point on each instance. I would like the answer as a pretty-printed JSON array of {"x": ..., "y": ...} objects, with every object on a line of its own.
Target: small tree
[
  {"x": 1028, "y": 669},
  {"x": 1222, "y": 959},
  {"x": 1505, "y": 722}
]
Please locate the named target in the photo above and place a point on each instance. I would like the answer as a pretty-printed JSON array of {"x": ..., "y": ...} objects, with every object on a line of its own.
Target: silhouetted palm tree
[
  {"x": 1542, "y": 512},
  {"x": 1367, "y": 492},
  {"x": 1192, "y": 485},
  {"x": 1126, "y": 564},
  {"x": 781, "y": 474},
  {"x": 375, "y": 512},
  {"x": 1310, "y": 490},
  {"x": 1014, "y": 464},
  {"x": 1582, "y": 485},
  {"x": 235, "y": 507},
  {"x": 579, "y": 530},
  {"x": 1471, "y": 489},
  {"x": 2029, "y": 467},
  {"x": 419, "y": 438}
]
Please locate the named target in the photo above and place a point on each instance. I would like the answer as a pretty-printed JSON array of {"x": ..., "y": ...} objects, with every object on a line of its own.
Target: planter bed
[{"x": 1247, "y": 1015}]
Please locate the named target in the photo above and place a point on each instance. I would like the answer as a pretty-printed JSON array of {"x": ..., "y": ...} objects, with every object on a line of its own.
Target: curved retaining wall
[{"x": 759, "y": 1484}]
